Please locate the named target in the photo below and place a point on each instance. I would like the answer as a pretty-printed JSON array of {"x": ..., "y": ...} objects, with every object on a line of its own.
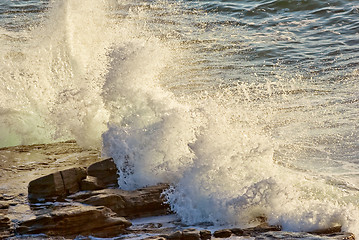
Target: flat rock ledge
[
  {"x": 73, "y": 220},
  {"x": 81, "y": 202},
  {"x": 143, "y": 202}
]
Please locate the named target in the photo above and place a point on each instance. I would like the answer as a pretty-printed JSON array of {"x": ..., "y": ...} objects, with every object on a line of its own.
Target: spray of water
[{"x": 96, "y": 76}]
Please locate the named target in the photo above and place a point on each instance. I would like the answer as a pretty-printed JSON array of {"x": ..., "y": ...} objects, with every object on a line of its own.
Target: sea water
[{"x": 249, "y": 109}]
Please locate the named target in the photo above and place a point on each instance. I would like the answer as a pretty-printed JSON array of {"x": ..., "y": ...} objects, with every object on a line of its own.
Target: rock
[
  {"x": 237, "y": 231},
  {"x": 186, "y": 234},
  {"x": 205, "y": 234},
  {"x": 223, "y": 233},
  {"x": 155, "y": 238},
  {"x": 334, "y": 233},
  {"x": 5, "y": 227},
  {"x": 72, "y": 220},
  {"x": 91, "y": 183},
  {"x": 72, "y": 178},
  {"x": 302, "y": 235},
  {"x": 139, "y": 203},
  {"x": 4, "y": 204},
  {"x": 264, "y": 227},
  {"x": 340, "y": 236},
  {"x": 175, "y": 236},
  {"x": 56, "y": 185},
  {"x": 335, "y": 229},
  {"x": 190, "y": 234},
  {"x": 105, "y": 171}
]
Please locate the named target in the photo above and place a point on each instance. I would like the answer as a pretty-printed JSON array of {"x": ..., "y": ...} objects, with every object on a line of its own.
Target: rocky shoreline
[{"x": 62, "y": 191}]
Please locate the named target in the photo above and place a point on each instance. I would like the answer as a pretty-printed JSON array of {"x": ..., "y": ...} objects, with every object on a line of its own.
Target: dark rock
[
  {"x": 303, "y": 235},
  {"x": 112, "y": 199},
  {"x": 49, "y": 186},
  {"x": 56, "y": 185},
  {"x": 237, "y": 231},
  {"x": 205, "y": 234},
  {"x": 334, "y": 233},
  {"x": 340, "y": 236},
  {"x": 190, "y": 234},
  {"x": 223, "y": 233},
  {"x": 264, "y": 227},
  {"x": 91, "y": 183},
  {"x": 4, "y": 204},
  {"x": 335, "y": 229},
  {"x": 175, "y": 236},
  {"x": 155, "y": 238},
  {"x": 5, "y": 227},
  {"x": 105, "y": 171},
  {"x": 74, "y": 220},
  {"x": 139, "y": 203},
  {"x": 6, "y": 197}
]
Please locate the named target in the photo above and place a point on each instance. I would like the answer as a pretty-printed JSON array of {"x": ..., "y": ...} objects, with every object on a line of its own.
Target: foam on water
[{"x": 233, "y": 153}]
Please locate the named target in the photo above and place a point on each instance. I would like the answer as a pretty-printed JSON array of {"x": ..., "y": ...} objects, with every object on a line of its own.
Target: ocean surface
[{"x": 249, "y": 108}]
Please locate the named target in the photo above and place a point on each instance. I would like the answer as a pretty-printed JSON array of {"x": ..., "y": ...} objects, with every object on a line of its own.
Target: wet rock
[
  {"x": 139, "y": 203},
  {"x": 190, "y": 234},
  {"x": 74, "y": 220},
  {"x": 56, "y": 185},
  {"x": 334, "y": 233},
  {"x": 335, "y": 229},
  {"x": 341, "y": 236},
  {"x": 155, "y": 238},
  {"x": 237, "y": 231},
  {"x": 223, "y": 233},
  {"x": 105, "y": 171},
  {"x": 187, "y": 234},
  {"x": 261, "y": 229},
  {"x": 303, "y": 235},
  {"x": 205, "y": 234}
]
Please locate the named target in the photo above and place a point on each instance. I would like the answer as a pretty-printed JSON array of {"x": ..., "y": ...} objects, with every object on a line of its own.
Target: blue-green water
[{"x": 248, "y": 108}]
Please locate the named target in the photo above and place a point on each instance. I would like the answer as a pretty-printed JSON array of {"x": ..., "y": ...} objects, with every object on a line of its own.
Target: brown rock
[
  {"x": 105, "y": 171},
  {"x": 340, "y": 236},
  {"x": 334, "y": 233},
  {"x": 264, "y": 227},
  {"x": 302, "y": 235},
  {"x": 5, "y": 227},
  {"x": 155, "y": 238},
  {"x": 335, "y": 229},
  {"x": 205, "y": 234},
  {"x": 237, "y": 231},
  {"x": 72, "y": 178},
  {"x": 190, "y": 234},
  {"x": 56, "y": 185},
  {"x": 175, "y": 235},
  {"x": 74, "y": 220},
  {"x": 49, "y": 186},
  {"x": 4, "y": 204},
  {"x": 91, "y": 183},
  {"x": 223, "y": 233},
  {"x": 139, "y": 203}
]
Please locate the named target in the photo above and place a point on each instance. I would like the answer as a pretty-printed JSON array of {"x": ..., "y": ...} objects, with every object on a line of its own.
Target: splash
[
  {"x": 52, "y": 77},
  {"x": 107, "y": 73}
]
